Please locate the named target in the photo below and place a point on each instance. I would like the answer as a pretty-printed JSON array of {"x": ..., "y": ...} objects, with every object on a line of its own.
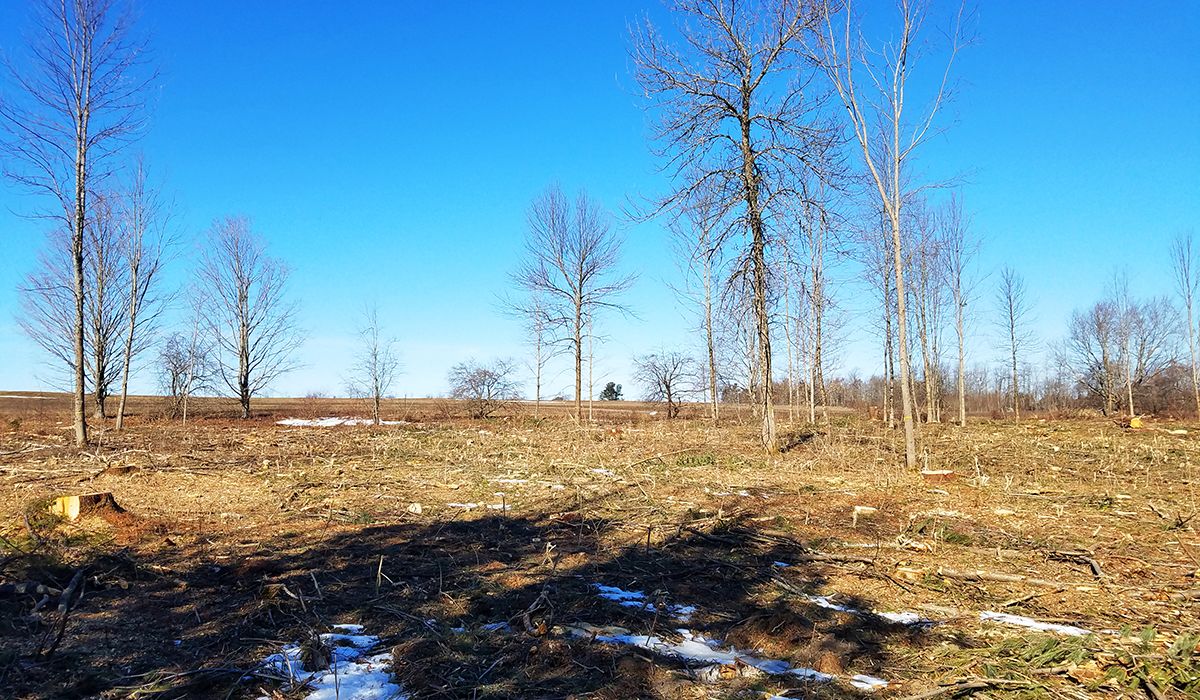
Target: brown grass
[{"x": 240, "y": 536}]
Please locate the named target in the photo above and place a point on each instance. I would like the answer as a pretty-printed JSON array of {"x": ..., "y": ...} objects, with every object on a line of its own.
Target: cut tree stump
[{"x": 71, "y": 507}]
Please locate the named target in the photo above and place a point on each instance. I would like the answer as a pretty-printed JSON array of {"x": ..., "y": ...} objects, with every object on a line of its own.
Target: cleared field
[{"x": 1056, "y": 559}]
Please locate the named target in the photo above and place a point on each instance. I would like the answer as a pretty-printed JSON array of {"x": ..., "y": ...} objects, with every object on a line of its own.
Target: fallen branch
[
  {"x": 65, "y": 604},
  {"x": 968, "y": 685},
  {"x": 1079, "y": 556}
]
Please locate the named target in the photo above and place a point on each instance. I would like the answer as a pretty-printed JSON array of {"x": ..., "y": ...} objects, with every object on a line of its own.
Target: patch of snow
[
  {"x": 780, "y": 564},
  {"x": 603, "y": 472},
  {"x": 699, "y": 649},
  {"x": 865, "y": 682},
  {"x": 468, "y": 506},
  {"x": 353, "y": 673},
  {"x": 637, "y": 599},
  {"x": 900, "y": 618},
  {"x": 333, "y": 422},
  {"x": 1022, "y": 621},
  {"x": 496, "y": 627}
]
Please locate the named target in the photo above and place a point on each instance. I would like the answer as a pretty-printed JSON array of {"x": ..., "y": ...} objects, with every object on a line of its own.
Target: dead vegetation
[{"x": 472, "y": 549}]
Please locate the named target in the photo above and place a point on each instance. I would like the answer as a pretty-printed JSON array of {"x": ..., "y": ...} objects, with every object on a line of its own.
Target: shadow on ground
[{"x": 175, "y": 622}]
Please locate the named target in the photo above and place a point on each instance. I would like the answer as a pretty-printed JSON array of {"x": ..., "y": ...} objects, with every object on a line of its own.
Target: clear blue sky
[{"x": 389, "y": 150}]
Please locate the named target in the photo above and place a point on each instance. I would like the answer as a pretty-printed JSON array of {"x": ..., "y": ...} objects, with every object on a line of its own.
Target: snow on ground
[
  {"x": 1022, "y": 621},
  {"x": 698, "y": 649},
  {"x": 354, "y": 673},
  {"x": 900, "y": 618},
  {"x": 332, "y": 422},
  {"x": 637, "y": 599}
]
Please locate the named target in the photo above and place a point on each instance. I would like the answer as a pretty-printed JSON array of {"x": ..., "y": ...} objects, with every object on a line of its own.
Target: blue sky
[{"x": 388, "y": 151}]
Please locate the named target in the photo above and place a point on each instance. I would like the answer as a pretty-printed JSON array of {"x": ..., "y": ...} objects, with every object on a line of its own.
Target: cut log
[{"x": 71, "y": 507}]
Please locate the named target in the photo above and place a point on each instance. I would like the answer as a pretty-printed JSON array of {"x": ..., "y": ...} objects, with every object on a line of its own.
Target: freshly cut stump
[{"x": 71, "y": 507}]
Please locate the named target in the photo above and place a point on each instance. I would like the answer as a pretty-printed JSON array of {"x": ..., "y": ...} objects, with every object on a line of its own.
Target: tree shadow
[{"x": 190, "y": 621}]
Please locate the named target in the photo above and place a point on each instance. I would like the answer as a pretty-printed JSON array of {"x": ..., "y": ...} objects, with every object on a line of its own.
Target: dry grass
[{"x": 242, "y": 535}]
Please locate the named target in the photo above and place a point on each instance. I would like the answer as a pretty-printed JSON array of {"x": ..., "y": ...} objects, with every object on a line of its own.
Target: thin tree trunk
[
  {"x": 962, "y": 363},
  {"x": 1192, "y": 349},
  {"x": 712, "y": 348}
]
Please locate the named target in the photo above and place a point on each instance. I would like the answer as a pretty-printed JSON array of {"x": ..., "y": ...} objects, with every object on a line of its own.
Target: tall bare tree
[
  {"x": 48, "y": 303},
  {"x": 1183, "y": 264},
  {"x": 145, "y": 241},
  {"x": 70, "y": 109},
  {"x": 376, "y": 365},
  {"x": 734, "y": 119},
  {"x": 695, "y": 232},
  {"x": 1013, "y": 306},
  {"x": 887, "y": 134},
  {"x": 571, "y": 263},
  {"x": 959, "y": 252},
  {"x": 245, "y": 309}
]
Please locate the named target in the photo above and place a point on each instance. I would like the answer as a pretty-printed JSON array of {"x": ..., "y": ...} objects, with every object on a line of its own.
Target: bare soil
[{"x": 240, "y": 536}]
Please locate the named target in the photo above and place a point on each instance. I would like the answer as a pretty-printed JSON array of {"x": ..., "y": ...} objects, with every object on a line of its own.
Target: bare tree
[
  {"x": 1110, "y": 345},
  {"x": 734, "y": 120},
  {"x": 47, "y": 301},
  {"x": 665, "y": 375},
  {"x": 542, "y": 337},
  {"x": 887, "y": 136},
  {"x": 572, "y": 255},
  {"x": 245, "y": 310},
  {"x": 1183, "y": 263},
  {"x": 486, "y": 388},
  {"x": 694, "y": 234},
  {"x": 1013, "y": 306},
  {"x": 1092, "y": 351},
  {"x": 186, "y": 367},
  {"x": 72, "y": 107},
  {"x": 959, "y": 250},
  {"x": 376, "y": 365},
  {"x": 145, "y": 242}
]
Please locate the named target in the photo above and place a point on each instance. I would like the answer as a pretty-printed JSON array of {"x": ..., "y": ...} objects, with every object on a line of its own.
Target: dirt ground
[{"x": 473, "y": 549}]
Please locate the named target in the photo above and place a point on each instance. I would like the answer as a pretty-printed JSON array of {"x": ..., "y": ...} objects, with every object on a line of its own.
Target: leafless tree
[
  {"x": 486, "y": 388},
  {"x": 70, "y": 109},
  {"x": 377, "y": 364},
  {"x": 186, "y": 367},
  {"x": 245, "y": 310},
  {"x": 887, "y": 135},
  {"x": 735, "y": 119},
  {"x": 145, "y": 241},
  {"x": 1110, "y": 345},
  {"x": 542, "y": 335},
  {"x": 1092, "y": 351},
  {"x": 571, "y": 265},
  {"x": 1014, "y": 311},
  {"x": 959, "y": 249},
  {"x": 665, "y": 375},
  {"x": 1183, "y": 264},
  {"x": 694, "y": 234},
  {"x": 47, "y": 301}
]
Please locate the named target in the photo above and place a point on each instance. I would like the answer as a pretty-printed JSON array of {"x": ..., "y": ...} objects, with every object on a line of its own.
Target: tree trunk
[
  {"x": 712, "y": 346},
  {"x": 758, "y": 265},
  {"x": 1192, "y": 349},
  {"x": 962, "y": 363},
  {"x": 578, "y": 360},
  {"x": 81, "y": 138},
  {"x": 1016, "y": 392},
  {"x": 906, "y": 405}
]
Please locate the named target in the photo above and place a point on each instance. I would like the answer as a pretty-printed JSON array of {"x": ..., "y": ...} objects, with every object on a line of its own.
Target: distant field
[{"x": 154, "y": 407}]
